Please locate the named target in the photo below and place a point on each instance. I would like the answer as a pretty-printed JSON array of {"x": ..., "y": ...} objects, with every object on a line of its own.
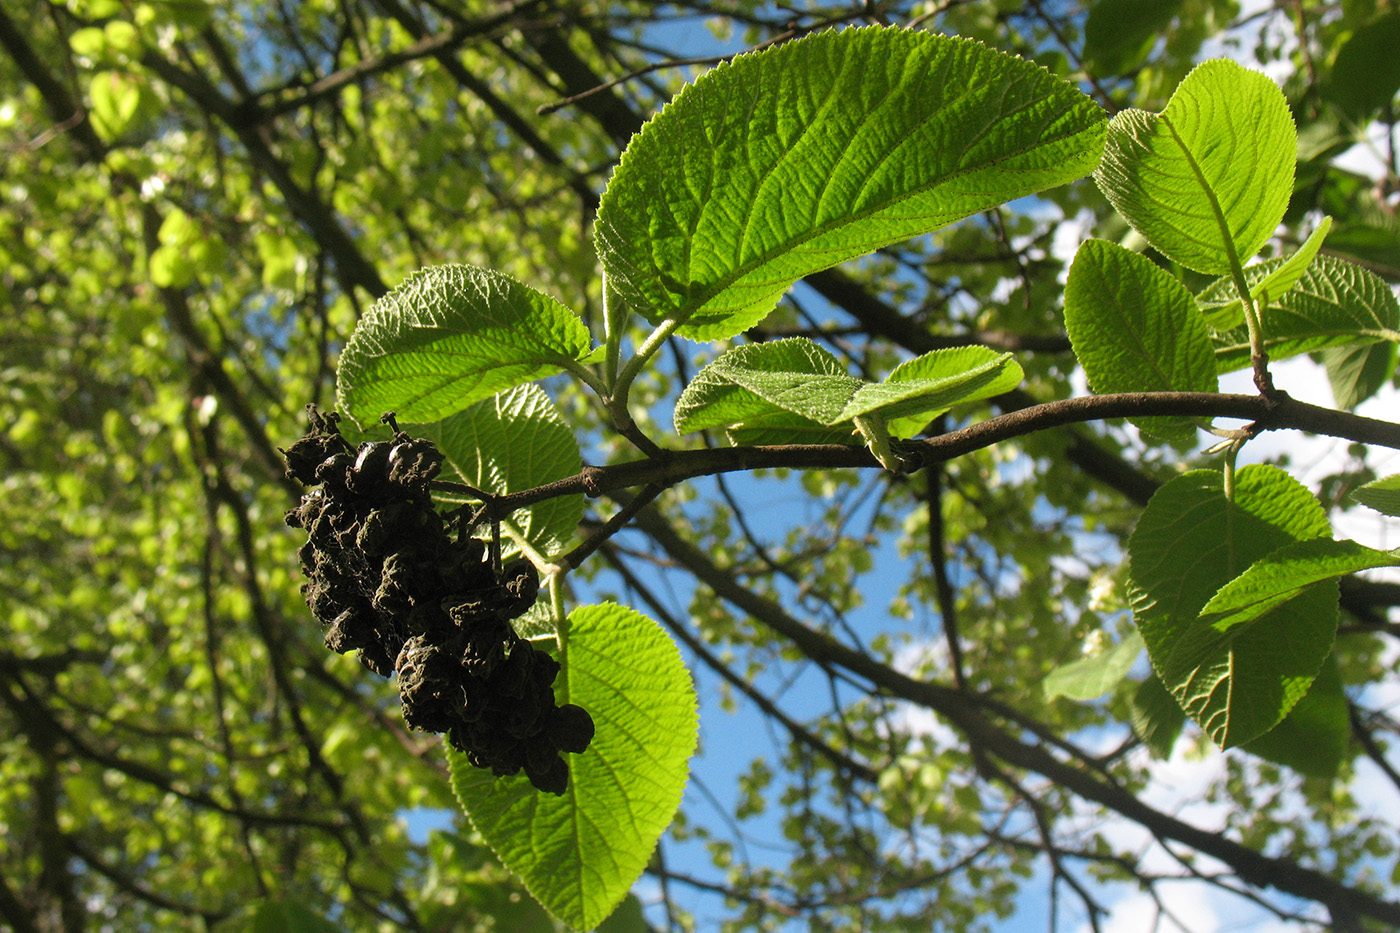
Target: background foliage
[{"x": 200, "y": 203}]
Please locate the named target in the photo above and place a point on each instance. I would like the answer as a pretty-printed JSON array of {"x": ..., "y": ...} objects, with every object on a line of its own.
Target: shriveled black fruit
[{"x": 389, "y": 582}]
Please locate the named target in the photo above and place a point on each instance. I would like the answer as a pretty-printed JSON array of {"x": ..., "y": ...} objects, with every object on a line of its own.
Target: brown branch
[{"x": 680, "y": 465}]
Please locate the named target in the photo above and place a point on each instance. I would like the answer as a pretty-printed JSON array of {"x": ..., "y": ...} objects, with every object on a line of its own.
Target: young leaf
[
  {"x": 1208, "y": 179},
  {"x": 1334, "y": 303},
  {"x": 1383, "y": 495},
  {"x": 1284, "y": 575},
  {"x": 514, "y": 441},
  {"x": 780, "y": 392},
  {"x": 1220, "y": 302},
  {"x": 580, "y": 853},
  {"x": 793, "y": 391},
  {"x": 449, "y": 336},
  {"x": 1312, "y": 739},
  {"x": 921, "y": 389},
  {"x": 1135, "y": 328},
  {"x": 1191, "y": 541},
  {"x": 1087, "y": 678},
  {"x": 794, "y": 159}
]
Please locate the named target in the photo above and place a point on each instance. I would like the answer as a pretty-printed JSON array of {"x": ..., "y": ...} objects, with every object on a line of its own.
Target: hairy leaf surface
[
  {"x": 1191, "y": 541},
  {"x": 1207, "y": 180},
  {"x": 1333, "y": 303},
  {"x": 796, "y": 158},
  {"x": 450, "y": 336},
  {"x": 1135, "y": 328}
]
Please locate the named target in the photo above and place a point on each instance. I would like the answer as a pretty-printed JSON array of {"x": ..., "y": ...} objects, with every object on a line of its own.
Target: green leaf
[
  {"x": 1313, "y": 738},
  {"x": 116, "y": 103},
  {"x": 1334, "y": 303},
  {"x": 1284, "y": 575},
  {"x": 1087, "y": 678},
  {"x": 779, "y": 392},
  {"x": 793, "y": 159},
  {"x": 1208, "y": 179},
  {"x": 918, "y": 390},
  {"x": 1157, "y": 717},
  {"x": 1190, "y": 542},
  {"x": 1366, "y": 72},
  {"x": 449, "y": 336},
  {"x": 1118, "y": 34},
  {"x": 1358, "y": 372},
  {"x": 793, "y": 391},
  {"x": 1383, "y": 495},
  {"x": 511, "y": 442},
  {"x": 1220, "y": 302},
  {"x": 1135, "y": 328},
  {"x": 578, "y": 854}
]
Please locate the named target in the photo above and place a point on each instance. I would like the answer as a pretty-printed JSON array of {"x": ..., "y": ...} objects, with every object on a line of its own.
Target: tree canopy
[{"x": 864, "y": 383}]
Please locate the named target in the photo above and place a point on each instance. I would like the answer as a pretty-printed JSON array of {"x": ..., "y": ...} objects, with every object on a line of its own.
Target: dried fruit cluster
[{"x": 388, "y": 580}]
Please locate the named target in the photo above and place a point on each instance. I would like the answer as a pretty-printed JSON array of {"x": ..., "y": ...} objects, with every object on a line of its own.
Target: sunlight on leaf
[
  {"x": 580, "y": 853},
  {"x": 1208, "y": 179},
  {"x": 450, "y": 336},
  {"x": 1190, "y": 542},
  {"x": 794, "y": 159}
]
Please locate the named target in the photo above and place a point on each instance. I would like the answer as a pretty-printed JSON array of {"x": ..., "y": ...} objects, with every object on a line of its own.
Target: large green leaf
[
  {"x": 1334, "y": 303},
  {"x": 791, "y": 160},
  {"x": 1190, "y": 542},
  {"x": 1208, "y": 179},
  {"x": 1135, "y": 328},
  {"x": 514, "y": 441},
  {"x": 579, "y": 853},
  {"x": 450, "y": 336}
]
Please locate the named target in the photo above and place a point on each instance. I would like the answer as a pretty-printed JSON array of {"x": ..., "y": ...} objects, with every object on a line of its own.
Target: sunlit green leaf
[
  {"x": 1286, "y": 574},
  {"x": 1190, "y": 542},
  {"x": 1334, "y": 303},
  {"x": 450, "y": 336},
  {"x": 791, "y": 160},
  {"x": 579, "y": 853},
  {"x": 1383, "y": 494},
  {"x": 1220, "y": 303},
  {"x": 1135, "y": 328},
  {"x": 1208, "y": 179},
  {"x": 920, "y": 389}
]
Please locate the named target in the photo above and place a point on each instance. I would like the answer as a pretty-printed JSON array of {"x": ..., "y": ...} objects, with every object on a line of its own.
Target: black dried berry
[{"x": 388, "y": 581}]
